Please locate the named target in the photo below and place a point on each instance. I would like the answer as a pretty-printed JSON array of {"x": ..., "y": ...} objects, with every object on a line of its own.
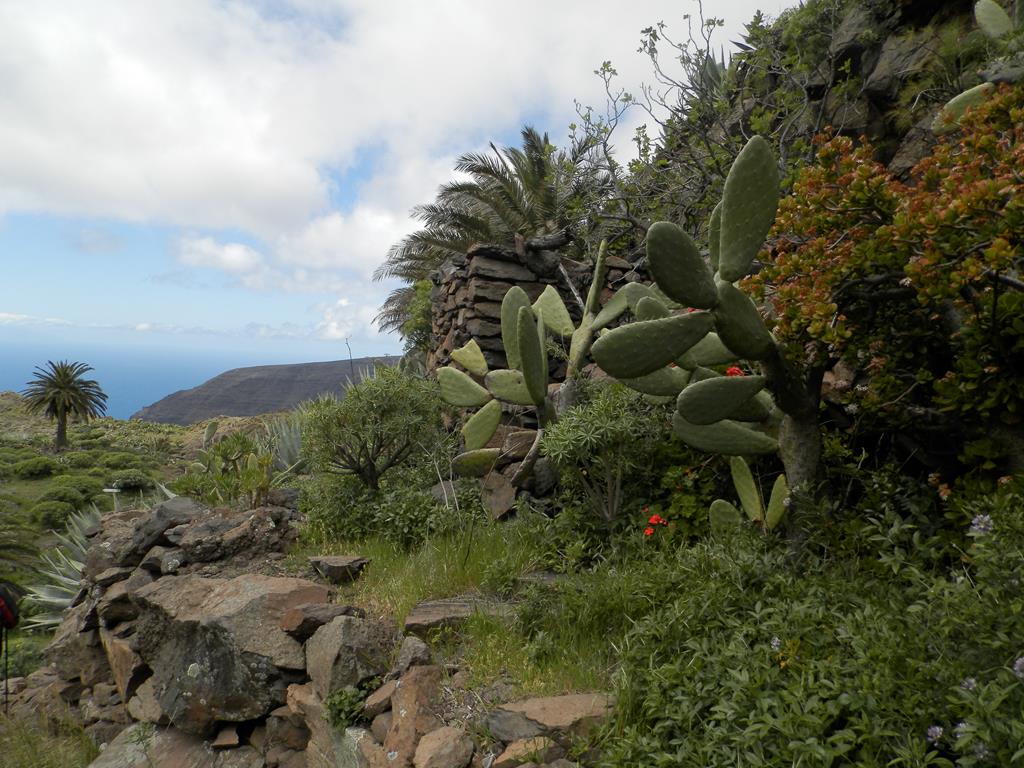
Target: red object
[
  {"x": 8, "y": 607},
  {"x": 657, "y": 520},
  {"x": 734, "y": 370},
  {"x": 648, "y": 531}
]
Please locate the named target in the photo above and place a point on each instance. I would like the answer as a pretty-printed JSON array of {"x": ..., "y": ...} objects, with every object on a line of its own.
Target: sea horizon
[{"x": 133, "y": 377}]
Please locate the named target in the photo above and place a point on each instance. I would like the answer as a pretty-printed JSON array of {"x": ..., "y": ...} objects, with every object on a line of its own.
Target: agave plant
[
  {"x": 282, "y": 439},
  {"x": 61, "y": 570}
]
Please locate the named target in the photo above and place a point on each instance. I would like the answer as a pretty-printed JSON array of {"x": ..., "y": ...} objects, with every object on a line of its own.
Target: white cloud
[
  {"x": 14, "y": 318},
  {"x": 233, "y": 258},
  {"x": 342, "y": 320},
  {"x": 248, "y": 120}
]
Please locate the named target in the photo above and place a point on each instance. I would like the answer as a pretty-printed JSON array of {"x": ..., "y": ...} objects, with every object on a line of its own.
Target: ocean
[{"x": 132, "y": 377}]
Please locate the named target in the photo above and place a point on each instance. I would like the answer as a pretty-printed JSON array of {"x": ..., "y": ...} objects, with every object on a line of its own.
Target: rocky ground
[{"x": 188, "y": 646}]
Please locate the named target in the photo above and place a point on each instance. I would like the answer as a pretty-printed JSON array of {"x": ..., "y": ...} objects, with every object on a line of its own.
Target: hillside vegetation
[{"x": 768, "y": 490}]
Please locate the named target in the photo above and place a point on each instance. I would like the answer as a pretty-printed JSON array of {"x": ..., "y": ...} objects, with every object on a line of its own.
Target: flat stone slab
[
  {"x": 450, "y": 612},
  {"x": 569, "y": 715},
  {"x": 339, "y": 569}
]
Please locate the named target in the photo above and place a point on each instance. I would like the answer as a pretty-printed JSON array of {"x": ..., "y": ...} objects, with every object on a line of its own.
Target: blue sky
[{"x": 223, "y": 176}]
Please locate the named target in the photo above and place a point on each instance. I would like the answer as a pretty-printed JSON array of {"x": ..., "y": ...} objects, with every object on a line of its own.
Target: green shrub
[
  {"x": 14, "y": 455},
  {"x": 740, "y": 654},
  {"x": 382, "y": 422},
  {"x": 605, "y": 446},
  {"x": 86, "y": 485},
  {"x": 341, "y": 508},
  {"x": 65, "y": 494},
  {"x": 51, "y": 514},
  {"x": 131, "y": 480},
  {"x": 80, "y": 459},
  {"x": 122, "y": 460},
  {"x": 40, "y": 466}
]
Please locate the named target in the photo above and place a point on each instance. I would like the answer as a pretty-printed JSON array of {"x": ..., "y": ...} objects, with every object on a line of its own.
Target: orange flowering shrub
[{"x": 916, "y": 288}]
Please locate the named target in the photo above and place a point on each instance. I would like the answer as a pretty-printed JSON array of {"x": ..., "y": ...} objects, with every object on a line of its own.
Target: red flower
[
  {"x": 734, "y": 370},
  {"x": 648, "y": 531},
  {"x": 657, "y": 520}
]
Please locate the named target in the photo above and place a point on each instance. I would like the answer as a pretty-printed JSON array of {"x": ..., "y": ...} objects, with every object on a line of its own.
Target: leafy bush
[
  {"x": 341, "y": 508},
  {"x": 914, "y": 289},
  {"x": 605, "y": 445},
  {"x": 40, "y": 466},
  {"x": 87, "y": 485},
  {"x": 122, "y": 460},
  {"x": 68, "y": 495},
  {"x": 131, "y": 480},
  {"x": 234, "y": 468},
  {"x": 383, "y": 421},
  {"x": 81, "y": 459},
  {"x": 14, "y": 455},
  {"x": 51, "y": 514},
  {"x": 741, "y": 655}
]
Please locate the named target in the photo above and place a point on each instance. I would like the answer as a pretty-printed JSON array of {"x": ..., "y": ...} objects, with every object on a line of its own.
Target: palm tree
[
  {"x": 521, "y": 197},
  {"x": 60, "y": 391}
]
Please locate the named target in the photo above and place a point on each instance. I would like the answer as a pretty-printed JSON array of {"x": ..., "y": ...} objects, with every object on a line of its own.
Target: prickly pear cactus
[
  {"x": 524, "y": 330},
  {"x": 1005, "y": 31},
  {"x": 717, "y": 325}
]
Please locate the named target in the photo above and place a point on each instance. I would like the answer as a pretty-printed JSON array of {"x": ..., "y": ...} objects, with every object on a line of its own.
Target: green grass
[
  {"x": 573, "y": 662},
  {"x": 35, "y": 742},
  {"x": 484, "y": 561},
  {"x": 443, "y": 566}
]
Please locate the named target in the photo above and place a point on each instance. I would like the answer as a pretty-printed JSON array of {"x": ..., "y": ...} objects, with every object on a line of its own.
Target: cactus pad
[
  {"x": 739, "y": 324},
  {"x": 993, "y": 20},
  {"x": 749, "y": 202},
  {"x": 664, "y": 382},
  {"x": 715, "y": 235},
  {"x": 708, "y": 351},
  {"x": 515, "y": 299},
  {"x": 649, "y": 308},
  {"x": 508, "y": 386},
  {"x": 711, "y": 400},
  {"x": 725, "y": 437},
  {"x": 533, "y": 356},
  {"x": 637, "y": 349},
  {"x": 459, "y": 390},
  {"x": 746, "y": 488},
  {"x": 777, "y": 503},
  {"x": 625, "y": 298},
  {"x": 722, "y": 516},
  {"x": 556, "y": 316},
  {"x": 480, "y": 427},
  {"x": 476, "y": 463},
  {"x": 949, "y": 116},
  {"x": 678, "y": 267},
  {"x": 471, "y": 358}
]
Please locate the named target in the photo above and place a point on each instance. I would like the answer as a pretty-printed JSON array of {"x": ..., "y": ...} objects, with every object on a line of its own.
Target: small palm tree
[
  {"x": 507, "y": 193},
  {"x": 59, "y": 391}
]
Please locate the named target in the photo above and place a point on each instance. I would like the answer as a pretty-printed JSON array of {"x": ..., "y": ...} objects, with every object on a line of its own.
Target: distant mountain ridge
[{"x": 258, "y": 389}]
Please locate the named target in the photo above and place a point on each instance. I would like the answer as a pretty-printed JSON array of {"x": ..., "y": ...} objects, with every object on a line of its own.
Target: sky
[{"x": 222, "y": 177}]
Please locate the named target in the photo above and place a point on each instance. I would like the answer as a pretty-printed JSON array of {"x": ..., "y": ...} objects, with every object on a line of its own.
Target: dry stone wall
[{"x": 467, "y": 294}]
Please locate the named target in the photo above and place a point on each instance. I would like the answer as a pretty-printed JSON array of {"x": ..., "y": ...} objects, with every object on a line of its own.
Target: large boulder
[
  {"x": 347, "y": 651},
  {"x": 215, "y": 645}
]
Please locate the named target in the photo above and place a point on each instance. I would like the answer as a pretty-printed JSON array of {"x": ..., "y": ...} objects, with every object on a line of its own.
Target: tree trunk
[{"x": 61, "y": 442}]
